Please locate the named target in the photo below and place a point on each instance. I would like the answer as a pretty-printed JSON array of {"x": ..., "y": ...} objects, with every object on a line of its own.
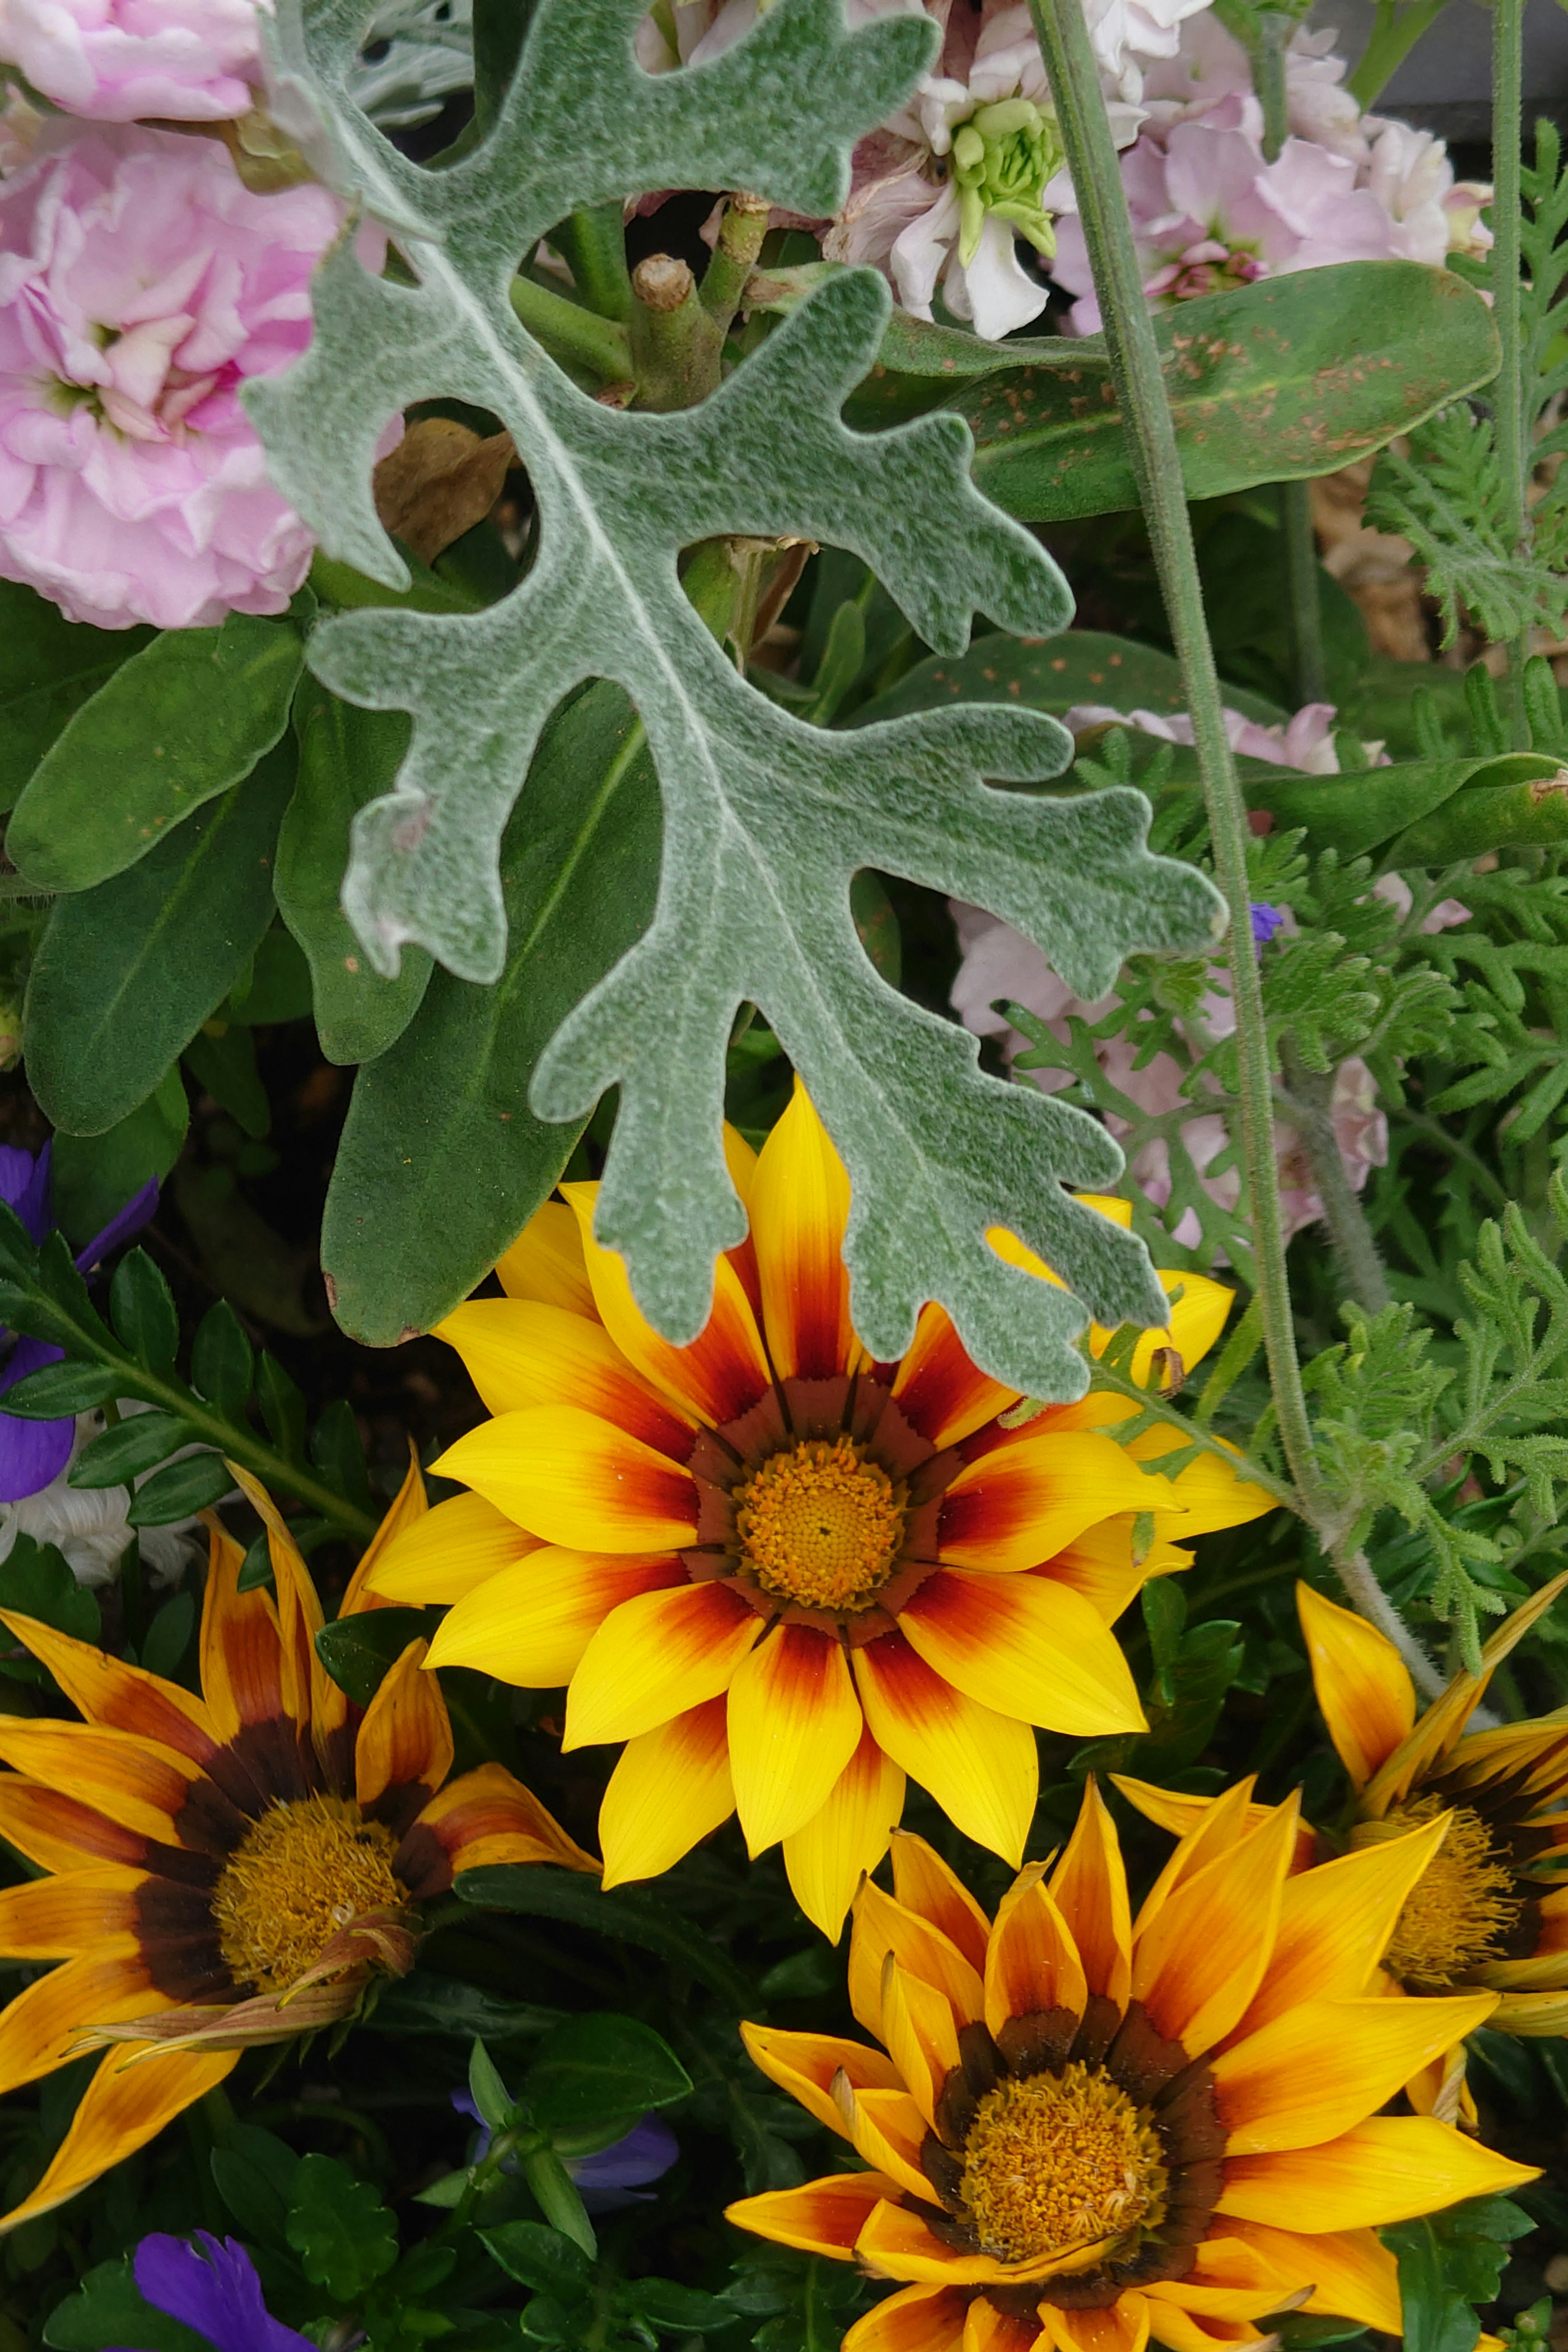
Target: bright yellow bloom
[
  {"x": 229, "y": 1869},
  {"x": 783, "y": 1575},
  {"x": 1089, "y": 2130}
]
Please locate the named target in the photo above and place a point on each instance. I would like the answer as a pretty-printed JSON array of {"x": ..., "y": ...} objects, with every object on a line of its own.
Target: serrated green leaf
[
  {"x": 49, "y": 668},
  {"x": 347, "y": 757},
  {"x": 597, "y": 2074},
  {"x": 1273, "y": 381},
  {"x": 343, "y": 2233},
  {"x": 184, "y": 718},
  {"x": 126, "y": 974},
  {"x": 765, "y": 818},
  {"x": 106, "y": 2313}
]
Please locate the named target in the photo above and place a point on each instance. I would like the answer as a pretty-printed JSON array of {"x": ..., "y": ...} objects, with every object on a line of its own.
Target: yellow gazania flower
[
  {"x": 783, "y": 1575},
  {"x": 1087, "y": 2131},
  {"x": 229, "y": 1869}
]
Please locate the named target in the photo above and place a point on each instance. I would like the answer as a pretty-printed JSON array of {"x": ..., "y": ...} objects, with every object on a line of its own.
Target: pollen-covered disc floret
[
  {"x": 1055, "y": 2161},
  {"x": 304, "y": 1872},
  {"x": 820, "y": 1526},
  {"x": 1464, "y": 1907}
]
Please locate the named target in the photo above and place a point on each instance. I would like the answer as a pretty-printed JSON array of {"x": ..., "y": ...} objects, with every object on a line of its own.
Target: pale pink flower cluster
[
  {"x": 141, "y": 283},
  {"x": 129, "y": 60}
]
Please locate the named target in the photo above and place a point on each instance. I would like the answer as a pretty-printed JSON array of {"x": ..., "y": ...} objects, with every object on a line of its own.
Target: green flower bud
[{"x": 1004, "y": 157}]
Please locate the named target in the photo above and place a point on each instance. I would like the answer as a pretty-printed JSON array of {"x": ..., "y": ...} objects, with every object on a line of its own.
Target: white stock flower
[{"x": 89, "y": 1525}]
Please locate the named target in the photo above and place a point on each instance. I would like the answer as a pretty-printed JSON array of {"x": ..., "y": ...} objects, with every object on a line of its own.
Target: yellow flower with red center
[
  {"x": 1089, "y": 2130},
  {"x": 783, "y": 1575},
  {"x": 227, "y": 1869}
]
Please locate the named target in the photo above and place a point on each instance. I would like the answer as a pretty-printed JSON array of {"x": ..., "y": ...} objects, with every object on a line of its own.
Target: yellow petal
[
  {"x": 531, "y": 1622},
  {"x": 889, "y": 2130},
  {"x": 1033, "y": 1963},
  {"x": 519, "y": 1353},
  {"x": 794, "y": 1724},
  {"x": 1089, "y": 1889},
  {"x": 1199, "y": 1962},
  {"x": 922, "y": 2036},
  {"x": 575, "y": 1479},
  {"x": 981, "y": 1768},
  {"x": 410, "y": 1506},
  {"x": 923, "y": 1882},
  {"x": 444, "y": 1555},
  {"x": 800, "y": 1206},
  {"x": 916, "y": 2319},
  {"x": 138, "y": 2089},
  {"x": 1323, "y": 2067},
  {"x": 1020, "y": 1502},
  {"x": 807, "y": 2065},
  {"x": 655, "y": 1657},
  {"x": 1121, "y": 2327},
  {"x": 1026, "y": 1645},
  {"x": 1355, "y": 2275},
  {"x": 1389, "y": 2169},
  {"x": 1335, "y": 1921},
  {"x": 1363, "y": 1684},
  {"x": 670, "y": 1787},
  {"x": 545, "y": 1262},
  {"x": 828, "y": 1855},
  {"x": 824, "y": 2217},
  {"x": 883, "y": 1925}
]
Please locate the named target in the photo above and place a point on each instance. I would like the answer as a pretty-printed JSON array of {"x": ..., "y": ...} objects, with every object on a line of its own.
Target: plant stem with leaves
[{"x": 1513, "y": 456}]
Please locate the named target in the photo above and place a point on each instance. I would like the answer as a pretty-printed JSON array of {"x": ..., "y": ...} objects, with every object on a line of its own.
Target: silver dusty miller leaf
[{"x": 766, "y": 819}]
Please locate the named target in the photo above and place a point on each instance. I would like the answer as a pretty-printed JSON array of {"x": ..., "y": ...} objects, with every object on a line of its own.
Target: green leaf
[
  {"x": 765, "y": 817},
  {"x": 540, "y": 2258},
  {"x": 279, "y": 983},
  {"x": 180, "y": 723},
  {"x": 343, "y": 2233},
  {"x": 181, "y": 1491},
  {"x": 125, "y": 974},
  {"x": 347, "y": 757},
  {"x": 555, "y": 2192},
  {"x": 142, "y": 1306},
  {"x": 1271, "y": 383},
  {"x": 358, "y": 1651},
  {"x": 36, "y": 1581},
  {"x": 49, "y": 668},
  {"x": 597, "y": 2074},
  {"x": 221, "y": 1057},
  {"x": 91, "y": 1178},
  {"x": 489, "y": 2092},
  {"x": 337, "y": 1452},
  {"x": 128, "y": 1449},
  {"x": 1529, "y": 811},
  {"x": 169, "y": 1635},
  {"x": 60, "y": 1388},
  {"x": 428, "y": 2004},
  {"x": 676, "y": 2310},
  {"x": 1448, "y": 2263},
  {"x": 641, "y": 1919},
  {"x": 1081, "y": 665},
  {"x": 107, "y": 2312},
  {"x": 222, "y": 1365},
  {"x": 442, "y": 1162},
  {"x": 282, "y": 1406},
  {"x": 254, "y": 2172}
]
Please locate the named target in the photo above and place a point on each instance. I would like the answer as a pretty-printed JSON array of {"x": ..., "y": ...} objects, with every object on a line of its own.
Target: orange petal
[
  {"x": 1363, "y": 1686},
  {"x": 58, "y": 1832},
  {"x": 576, "y": 1480},
  {"x": 916, "y": 2319},
  {"x": 449, "y": 1551},
  {"x": 1032, "y": 1962},
  {"x": 889, "y": 2132},
  {"x": 1088, "y": 1887},
  {"x": 986, "y": 2329},
  {"x": 981, "y": 1768},
  {"x": 487, "y": 1816},
  {"x": 824, "y": 2217},
  {"x": 410, "y": 1507},
  {"x": 656, "y": 1657},
  {"x": 1323, "y": 2067},
  {"x": 1197, "y": 1965},
  {"x": 92, "y": 1910},
  {"x": 545, "y": 1262},
  {"x": 1335, "y": 1922},
  {"x": 43, "y": 2025},
  {"x": 406, "y": 1738},
  {"x": 1100, "y": 1565},
  {"x": 939, "y": 1389},
  {"x": 1223, "y": 1822},
  {"x": 1021, "y": 1501},
  {"x": 125, "y": 1698},
  {"x": 921, "y": 2034},
  {"x": 827, "y": 1856},
  {"x": 138, "y": 2088},
  {"x": 1389, "y": 2169},
  {"x": 519, "y": 1353},
  {"x": 670, "y": 1787},
  {"x": 1355, "y": 2275},
  {"x": 896, "y": 2244},
  {"x": 310, "y": 1697},
  {"x": 530, "y": 1623},
  {"x": 807, "y": 2065},
  {"x": 794, "y": 1723},
  {"x": 241, "y": 1655},
  {"x": 800, "y": 1206},
  {"x": 1121, "y": 2327},
  {"x": 924, "y": 1882},
  {"x": 1026, "y": 1647},
  {"x": 724, "y": 1370},
  {"x": 883, "y": 1925},
  {"x": 143, "y": 1787}
]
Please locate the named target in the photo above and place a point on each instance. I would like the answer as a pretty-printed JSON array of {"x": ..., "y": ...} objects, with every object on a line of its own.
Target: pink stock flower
[
  {"x": 141, "y": 283},
  {"x": 1305, "y": 741},
  {"x": 124, "y": 60}
]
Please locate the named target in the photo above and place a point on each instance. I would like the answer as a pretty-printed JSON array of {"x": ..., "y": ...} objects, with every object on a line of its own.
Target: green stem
[
  {"x": 741, "y": 233},
  {"x": 1269, "y": 67},
  {"x": 572, "y": 334},
  {"x": 1513, "y": 455},
  {"x": 1149, "y": 1403},
  {"x": 676, "y": 344},
  {"x": 1140, "y": 389},
  {"x": 1309, "y": 665},
  {"x": 1312, "y": 1093},
  {"x": 1394, "y": 35}
]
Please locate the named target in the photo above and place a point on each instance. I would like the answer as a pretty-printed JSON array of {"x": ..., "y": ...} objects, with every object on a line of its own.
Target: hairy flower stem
[
  {"x": 742, "y": 228},
  {"x": 1308, "y": 672},
  {"x": 1398, "y": 25},
  {"x": 1513, "y": 456},
  {"x": 1311, "y": 1094},
  {"x": 1354, "y": 1573}
]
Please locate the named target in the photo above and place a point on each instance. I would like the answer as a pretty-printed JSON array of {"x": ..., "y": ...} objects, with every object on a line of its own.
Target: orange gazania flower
[
  {"x": 229, "y": 1869},
  {"x": 783, "y": 1575},
  {"x": 1087, "y": 2131}
]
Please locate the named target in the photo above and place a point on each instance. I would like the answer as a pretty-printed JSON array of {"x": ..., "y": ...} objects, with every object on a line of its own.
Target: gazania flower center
[
  {"x": 306, "y": 1870},
  {"x": 1462, "y": 1908},
  {"x": 820, "y": 1526},
  {"x": 1053, "y": 2162}
]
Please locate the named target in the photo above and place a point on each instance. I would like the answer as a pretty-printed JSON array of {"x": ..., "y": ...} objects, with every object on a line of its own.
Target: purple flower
[
  {"x": 1266, "y": 921},
  {"x": 33, "y": 1453},
  {"x": 611, "y": 2177},
  {"x": 215, "y": 2291}
]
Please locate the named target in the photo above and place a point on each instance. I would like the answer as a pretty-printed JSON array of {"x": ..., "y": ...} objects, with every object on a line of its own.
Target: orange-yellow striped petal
[
  {"x": 1026, "y": 1647},
  {"x": 42, "y": 2025},
  {"x": 655, "y": 1657},
  {"x": 883, "y": 1925},
  {"x": 724, "y": 1372},
  {"x": 142, "y": 1786},
  {"x": 241, "y": 1656},
  {"x": 800, "y": 1206},
  {"x": 405, "y": 1739},
  {"x": 1224, "y": 1820},
  {"x": 846, "y": 1838},
  {"x": 1363, "y": 1686},
  {"x": 530, "y": 1623},
  {"x": 545, "y": 1262},
  {"x": 410, "y": 1506},
  {"x": 896, "y": 2244},
  {"x": 670, "y": 1787},
  {"x": 916, "y": 2319},
  {"x": 824, "y": 2217},
  {"x": 940, "y": 1388},
  {"x": 449, "y": 1551},
  {"x": 981, "y": 1768},
  {"x": 121, "y": 1697},
  {"x": 807, "y": 2065},
  {"x": 1032, "y": 1962},
  {"x": 1197, "y": 1965},
  {"x": 987, "y": 2330},
  {"x": 794, "y": 1724},
  {"x": 1121, "y": 2327},
  {"x": 924, "y": 1882},
  {"x": 1335, "y": 1922},
  {"x": 1322, "y": 2067},
  {"x": 138, "y": 2088},
  {"x": 59, "y": 1833},
  {"x": 1088, "y": 1887},
  {"x": 888, "y": 2131},
  {"x": 1355, "y": 2275},
  {"x": 1389, "y": 2169},
  {"x": 922, "y": 2036},
  {"x": 576, "y": 1480},
  {"x": 91, "y": 1910},
  {"x": 1102, "y": 1565},
  {"x": 1022, "y": 1500},
  {"x": 310, "y": 1697},
  {"x": 482, "y": 1818},
  {"x": 520, "y": 1353}
]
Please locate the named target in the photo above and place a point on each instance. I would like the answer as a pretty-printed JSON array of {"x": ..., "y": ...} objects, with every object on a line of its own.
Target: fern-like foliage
[{"x": 1446, "y": 498}]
